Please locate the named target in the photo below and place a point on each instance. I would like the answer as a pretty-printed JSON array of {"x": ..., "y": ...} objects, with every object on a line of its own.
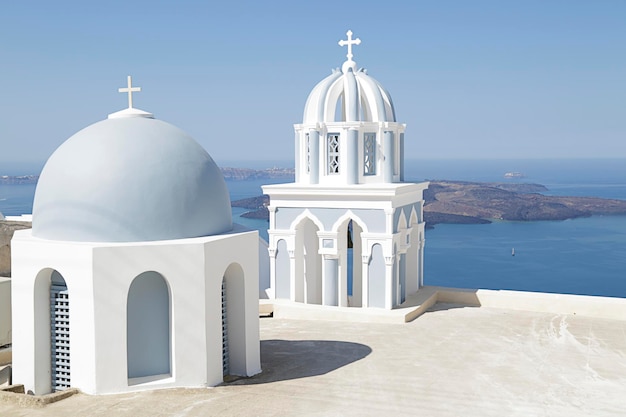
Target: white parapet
[
  {"x": 20, "y": 218},
  {"x": 5, "y": 311}
]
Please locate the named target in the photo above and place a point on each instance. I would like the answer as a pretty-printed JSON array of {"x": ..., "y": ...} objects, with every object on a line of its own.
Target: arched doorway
[
  {"x": 148, "y": 329},
  {"x": 233, "y": 321},
  {"x": 349, "y": 240}
]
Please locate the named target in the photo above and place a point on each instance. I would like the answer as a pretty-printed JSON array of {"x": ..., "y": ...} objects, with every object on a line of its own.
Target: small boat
[
  {"x": 513, "y": 175},
  {"x": 513, "y": 252}
]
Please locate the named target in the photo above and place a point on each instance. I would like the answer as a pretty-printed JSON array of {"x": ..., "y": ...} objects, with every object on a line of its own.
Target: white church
[
  {"x": 133, "y": 276},
  {"x": 349, "y": 231}
]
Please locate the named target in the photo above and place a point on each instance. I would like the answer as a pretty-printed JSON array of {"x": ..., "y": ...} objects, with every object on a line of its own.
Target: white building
[
  {"x": 133, "y": 276},
  {"x": 349, "y": 187}
]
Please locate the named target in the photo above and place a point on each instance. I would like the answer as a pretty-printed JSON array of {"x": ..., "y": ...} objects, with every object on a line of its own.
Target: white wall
[{"x": 98, "y": 278}]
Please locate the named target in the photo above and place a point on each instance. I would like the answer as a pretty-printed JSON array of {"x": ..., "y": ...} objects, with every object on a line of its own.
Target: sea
[{"x": 578, "y": 256}]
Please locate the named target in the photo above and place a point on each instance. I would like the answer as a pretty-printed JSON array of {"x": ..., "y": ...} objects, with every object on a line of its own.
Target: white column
[
  {"x": 352, "y": 169},
  {"x": 421, "y": 262},
  {"x": 272, "y": 253},
  {"x": 401, "y": 157},
  {"x": 365, "y": 259},
  {"x": 314, "y": 156},
  {"x": 298, "y": 147},
  {"x": 388, "y": 151},
  {"x": 389, "y": 281},
  {"x": 272, "y": 216},
  {"x": 330, "y": 281},
  {"x": 294, "y": 288}
]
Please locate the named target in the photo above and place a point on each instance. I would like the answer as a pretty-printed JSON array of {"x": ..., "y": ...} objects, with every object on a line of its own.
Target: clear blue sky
[{"x": 471, "y": 79}]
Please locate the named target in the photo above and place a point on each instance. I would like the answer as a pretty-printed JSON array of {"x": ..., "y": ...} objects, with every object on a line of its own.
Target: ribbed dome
[
  {"x": 349, "y": 96},
  {"x": 130, "y": 178}
]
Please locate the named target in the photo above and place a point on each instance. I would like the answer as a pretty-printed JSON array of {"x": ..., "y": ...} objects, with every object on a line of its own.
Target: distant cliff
[
  {"x": 230, "y": 174},
  {"x": 459, "y": 202},
  {"x": 520, "y": 202},
  {"x": 242, "y": 174},
  {"x": 18, "y": 179}
]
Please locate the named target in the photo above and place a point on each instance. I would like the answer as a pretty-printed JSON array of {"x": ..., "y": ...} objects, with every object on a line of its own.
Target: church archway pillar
[
  {"x": 330, "y": 280},
  {"x": 272, "y": 289},
  {"x": 272, "y": 216},
  {"x": 420, "y": 269},
  {"x": 401, "y": 274},
  {"x": 365, "y": 260},
  {"x": 389, "y": 281},
  {"x": 296, "y": 286},
  {"x": 412, "y": 260}
]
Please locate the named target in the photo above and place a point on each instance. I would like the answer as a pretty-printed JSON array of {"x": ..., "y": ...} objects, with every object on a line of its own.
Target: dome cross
[
  {"x": 130, "y": 90},
  {"x": 349, "y": 43}
]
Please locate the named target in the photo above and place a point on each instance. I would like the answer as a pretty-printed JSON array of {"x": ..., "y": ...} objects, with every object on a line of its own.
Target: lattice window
[
  {"x": 333, "y": 153},
  {"x": 60, "y": 337},
  {"x": 307, "y": 143},
  {"x": 369, "y": 154},
  {"x": 225, "y": 350}
]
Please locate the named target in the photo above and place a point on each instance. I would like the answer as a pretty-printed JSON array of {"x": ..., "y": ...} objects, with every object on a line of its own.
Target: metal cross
[
  {"x": 130, "y": 90},
  {"x": 350, "y": 42}
]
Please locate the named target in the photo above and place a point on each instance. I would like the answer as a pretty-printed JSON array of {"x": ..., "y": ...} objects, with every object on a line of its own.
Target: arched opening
[
  {"x": 59, "y": 333},
  {"x": 376, "y": 278},
  {"x": 308, "y": 263},
  {"x": 148, "y": 329},
  {"x": 51, "y": 336},
  {"x": 233, "y": 321},
  {"x": 350, "y": 251},
  {"x": 283, "y": 287}
]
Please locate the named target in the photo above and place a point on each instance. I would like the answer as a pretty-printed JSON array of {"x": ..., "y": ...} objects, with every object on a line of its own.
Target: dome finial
[
  {"x": 130, "y": 90},
  {"x": 130, "y": 111},
  {"x": 349, "y": 63}
]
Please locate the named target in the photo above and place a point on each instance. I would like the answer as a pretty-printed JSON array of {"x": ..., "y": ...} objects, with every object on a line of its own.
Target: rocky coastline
[{"x": 459, "y": 202}]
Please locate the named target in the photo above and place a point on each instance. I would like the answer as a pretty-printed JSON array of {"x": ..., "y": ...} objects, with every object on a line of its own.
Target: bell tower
[{"x": 349, "y": 232}]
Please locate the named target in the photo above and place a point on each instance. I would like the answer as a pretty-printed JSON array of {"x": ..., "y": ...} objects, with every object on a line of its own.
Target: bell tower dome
[{"x": 349, "y": 133}]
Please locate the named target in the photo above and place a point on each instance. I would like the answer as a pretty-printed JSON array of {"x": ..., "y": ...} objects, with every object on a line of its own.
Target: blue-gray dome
[{"x": 130, "y": 178}]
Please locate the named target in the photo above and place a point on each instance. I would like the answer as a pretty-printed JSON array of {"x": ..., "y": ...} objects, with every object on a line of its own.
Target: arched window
[
  {"x": 148, "y": 326},
  {"x": 233, "y": 321}
]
